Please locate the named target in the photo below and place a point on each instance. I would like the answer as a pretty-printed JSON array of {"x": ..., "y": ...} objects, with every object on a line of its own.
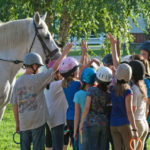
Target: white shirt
[
  {"x": 56, "y": 103},
  {"x": 139, "y": 103}
]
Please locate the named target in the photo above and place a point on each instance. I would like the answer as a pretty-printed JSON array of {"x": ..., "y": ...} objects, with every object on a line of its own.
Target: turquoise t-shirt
[{"x": 80, "y": 98}]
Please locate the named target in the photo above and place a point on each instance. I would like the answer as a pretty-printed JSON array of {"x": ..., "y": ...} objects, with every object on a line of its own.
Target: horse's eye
[
  {"x": 39, "y": 28},
  {"x": 47, "y": 36}
]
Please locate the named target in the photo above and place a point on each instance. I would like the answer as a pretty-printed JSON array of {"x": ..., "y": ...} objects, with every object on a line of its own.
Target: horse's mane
[{"x": 13, "y": 32}]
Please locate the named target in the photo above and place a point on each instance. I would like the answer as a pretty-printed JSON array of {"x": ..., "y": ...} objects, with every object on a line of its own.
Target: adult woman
[{"x": 145, "y": 50}]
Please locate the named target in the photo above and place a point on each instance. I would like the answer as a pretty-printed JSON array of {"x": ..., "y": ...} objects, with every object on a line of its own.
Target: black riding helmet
[
  {"x": 108, "y": 60},
  {"x": 138, "y": 70},
  {"x": 146, "y": 47}
]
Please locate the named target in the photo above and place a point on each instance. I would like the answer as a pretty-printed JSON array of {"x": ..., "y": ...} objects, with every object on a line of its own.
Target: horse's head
[{"x": 43, "y": 42}]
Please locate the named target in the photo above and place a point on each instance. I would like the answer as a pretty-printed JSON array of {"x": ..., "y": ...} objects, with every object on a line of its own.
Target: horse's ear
[
  {"x": 44, "y": 16},
  {"x": 37, "y": 18}
]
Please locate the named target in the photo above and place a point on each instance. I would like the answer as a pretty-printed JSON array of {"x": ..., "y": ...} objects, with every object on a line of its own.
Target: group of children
[{"x": 93, "y": 106}]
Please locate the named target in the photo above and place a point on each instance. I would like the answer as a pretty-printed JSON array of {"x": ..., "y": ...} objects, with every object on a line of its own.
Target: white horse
[{"x": 17, "y": 38}]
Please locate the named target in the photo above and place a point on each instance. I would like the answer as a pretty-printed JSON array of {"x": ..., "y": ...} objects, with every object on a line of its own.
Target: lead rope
[{"x": 138, "y": 139}]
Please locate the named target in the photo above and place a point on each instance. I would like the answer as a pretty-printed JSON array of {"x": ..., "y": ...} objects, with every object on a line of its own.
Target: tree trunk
[
  {"x": 38, "y": 6},
  {"x": 65, "y": 21},
  {"x": 50, "y": 15},
  {"x": 118, "y": 48}
]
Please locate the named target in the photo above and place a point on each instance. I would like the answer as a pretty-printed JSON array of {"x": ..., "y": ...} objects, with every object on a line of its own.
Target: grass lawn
[{"x": 7, "y": 128}]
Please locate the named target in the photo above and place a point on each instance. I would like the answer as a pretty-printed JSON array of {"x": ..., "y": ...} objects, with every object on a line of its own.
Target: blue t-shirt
[
  {"x": 80, "y": 98},
  {"x": 119, "y": 115},
  {"x": 70, "y": 91},
  {"x": 147, "y": 82}
]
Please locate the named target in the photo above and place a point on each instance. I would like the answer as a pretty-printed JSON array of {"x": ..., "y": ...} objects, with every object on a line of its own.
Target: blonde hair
[
  {"x": 143, "y": 89},
  {"x": 66, "y": 81},
  {"x": 120, "y": 88}
]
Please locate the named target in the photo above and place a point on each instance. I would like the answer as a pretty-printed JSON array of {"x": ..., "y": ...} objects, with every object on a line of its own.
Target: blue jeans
[
  {"x": 84, "y": 145},
  {"x": 37, "y": 136},
  {"x": 58, "y": 137},
  {"x": 97, "y": 137}
]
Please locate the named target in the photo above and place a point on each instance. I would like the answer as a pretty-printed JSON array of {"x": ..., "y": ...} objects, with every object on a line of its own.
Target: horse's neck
[
  {"x": 14, "y": 37},
  {"x": 14, "y": 44}
]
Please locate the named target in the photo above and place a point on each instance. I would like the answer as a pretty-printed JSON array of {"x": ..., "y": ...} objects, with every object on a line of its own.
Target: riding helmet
[
  {"x": 138, "y": 70},
  {"x": 88, "y": 75},
  {"x": 33, "y": 58}
]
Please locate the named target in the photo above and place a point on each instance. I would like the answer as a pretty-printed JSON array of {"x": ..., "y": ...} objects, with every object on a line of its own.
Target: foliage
[{"x": 78, "y": 18}]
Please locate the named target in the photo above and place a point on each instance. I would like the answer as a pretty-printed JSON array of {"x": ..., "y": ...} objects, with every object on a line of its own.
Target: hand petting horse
[{"x": 17, "y": 38}]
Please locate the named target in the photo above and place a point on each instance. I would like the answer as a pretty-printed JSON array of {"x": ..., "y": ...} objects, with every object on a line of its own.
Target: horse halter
[{"x": 46, "y": 50}]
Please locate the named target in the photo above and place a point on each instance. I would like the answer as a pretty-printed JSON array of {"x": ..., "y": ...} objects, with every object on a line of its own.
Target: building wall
[{"x": 139, "y": 37}]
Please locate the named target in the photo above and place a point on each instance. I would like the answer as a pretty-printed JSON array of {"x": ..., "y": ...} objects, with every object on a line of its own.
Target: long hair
[
  {"x": 121, "y": 87},
  {"x": 66, "y": 81},
  {"x": 83, "y": 85},
  {"x": 142, "y": 87}
]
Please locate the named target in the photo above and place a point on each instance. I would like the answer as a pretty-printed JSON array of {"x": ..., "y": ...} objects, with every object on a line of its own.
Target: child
[
  {"x": 29, "y": 102},
  {"x": 140, "y": 100},
  {"x": 69, "y": 70},
  {"x": 122, "y": 113},
  {"x": 88, "y": 78},
  {"x": 57, "y": 108},
  {"x": 94, "y": 110}
]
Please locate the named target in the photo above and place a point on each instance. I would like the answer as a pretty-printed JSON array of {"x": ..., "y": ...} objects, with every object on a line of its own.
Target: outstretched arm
[
  {"x": 114, "y": 50},
  {"x": 64, "y": 54},
  {"x": 84, "y": 57},
  {"x": 84, "y": 48}
]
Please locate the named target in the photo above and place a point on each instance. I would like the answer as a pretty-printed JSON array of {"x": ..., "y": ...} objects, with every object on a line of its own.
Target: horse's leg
[
  {"x": 2, "y": 112},
  {"x": 4, "y": 99}
]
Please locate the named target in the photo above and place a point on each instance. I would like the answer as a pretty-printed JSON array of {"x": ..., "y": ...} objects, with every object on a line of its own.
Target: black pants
[{"x": 49, "y": 136}]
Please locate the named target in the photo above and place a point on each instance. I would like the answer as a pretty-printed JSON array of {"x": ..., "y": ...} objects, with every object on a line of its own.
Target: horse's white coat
[{"x": 15, "y": 41}]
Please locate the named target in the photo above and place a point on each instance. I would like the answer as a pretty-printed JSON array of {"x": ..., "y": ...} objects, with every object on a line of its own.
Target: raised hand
[
  {"x": 111, "y": 39},
  {"x": 67, "y": 48},
  {"x": 84, "y": 46},
  {"x": 96, "y": 61}
]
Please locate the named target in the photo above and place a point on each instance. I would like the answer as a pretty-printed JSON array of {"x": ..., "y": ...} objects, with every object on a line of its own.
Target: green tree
[{"x": 80, "y": 18}]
